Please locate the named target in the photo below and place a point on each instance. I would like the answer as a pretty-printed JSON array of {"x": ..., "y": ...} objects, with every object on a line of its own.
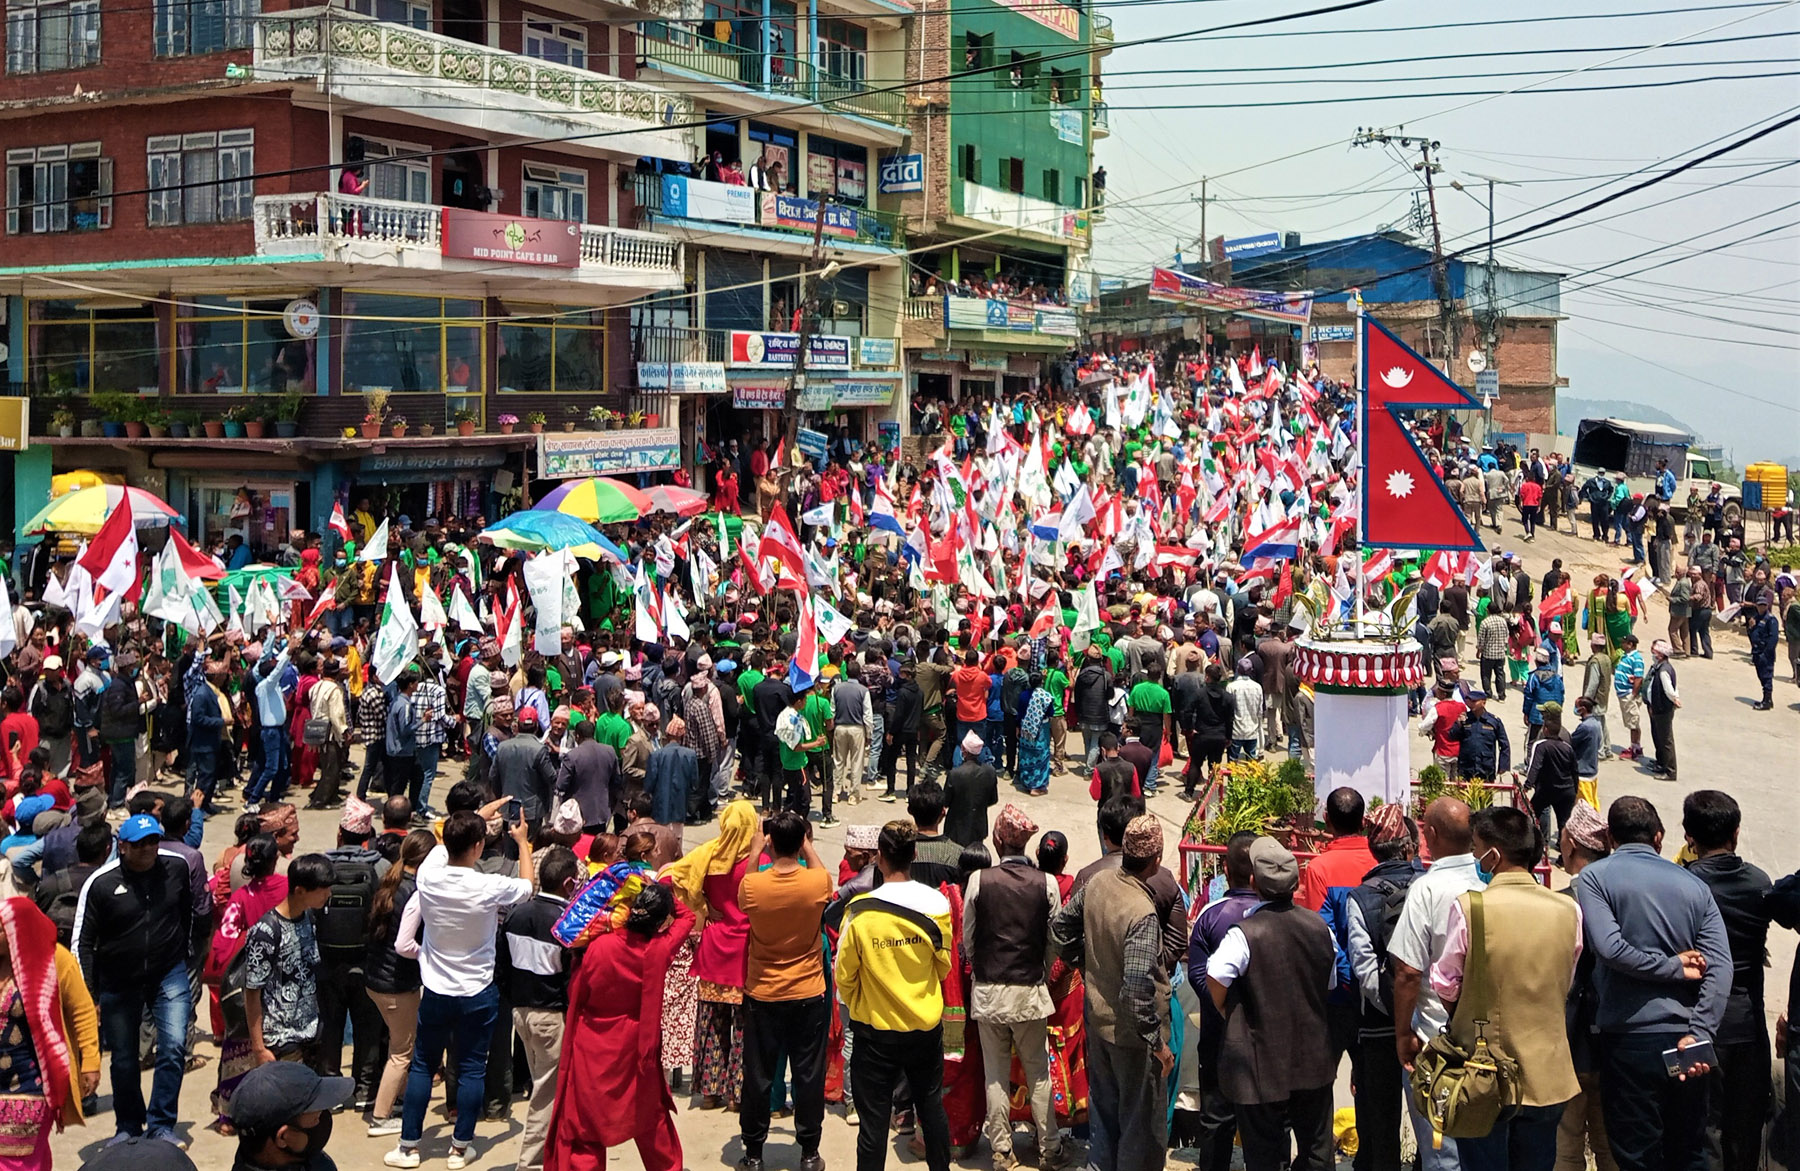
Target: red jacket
[{"x": 1342, "y": 863}]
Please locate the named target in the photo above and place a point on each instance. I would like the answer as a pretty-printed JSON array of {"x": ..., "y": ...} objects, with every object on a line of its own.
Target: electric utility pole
[
  {"x": 809, "y": 289},
  {"x": 1427, "y": 167}
]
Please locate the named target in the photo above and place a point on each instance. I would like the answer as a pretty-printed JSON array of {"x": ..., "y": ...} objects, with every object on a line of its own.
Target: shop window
[
  {"x": 43, "y": 37},
  {"x": 185, "y": 27},
  {"x": 556, "y": 41},
  {"x": 969, "y": 163},
  {"x": 406, "y": 179},
  {"x": 544, "y": 348},
  {"x": 78, "y": 347},
  {"x": 409, "y": 344},
  {"x": 843, "y": 50},
  {"x": 201, "y": 178},
  {"x": 392, "y": 11},
  {"x": 224, "y": 345},
  {"x": 555, "y": 194},
  {"x": 1022, "y": 72},
  {"x": 58, "y": 189},
  {"x": 978, "y": 51},
  {"x": 1053, "y": 186},
  {"x": 1063, "y": 86},
  {"x": 838, "y": 171}
]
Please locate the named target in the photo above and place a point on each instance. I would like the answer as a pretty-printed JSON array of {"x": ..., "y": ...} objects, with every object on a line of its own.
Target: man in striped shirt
[{"x": 1628, "y": 679}]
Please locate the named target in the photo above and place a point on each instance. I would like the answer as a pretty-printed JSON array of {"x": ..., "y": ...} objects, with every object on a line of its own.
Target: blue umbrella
[{"x": 534, "y": 531}]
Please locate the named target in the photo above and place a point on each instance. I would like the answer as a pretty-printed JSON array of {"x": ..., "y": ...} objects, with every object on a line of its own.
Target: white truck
[{"x": 1635, "y": 448}]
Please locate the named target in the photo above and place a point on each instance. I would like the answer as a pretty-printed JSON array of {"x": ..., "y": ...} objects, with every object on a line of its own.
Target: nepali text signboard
[
  {"x": 602, "y": 453},
  {"x": 1331, "y": 333},
  {"x": 759, "y": 397},
  {"x": 878, "y": 351},
  {"x": 871, "y": 393},
  {"x": 686, "y": 198},
  {"x": 901, "y": 174},
  {"x": 776, "y": 350},
  {"x": 812, "y": 445},
  {"x": 791, "y": 211},
  {"x": 481, "y": 235},
  {"x": 1168, "y": 284},
  {"x": 1009, "y": 316},
  {"x": 683, "y": 377}
]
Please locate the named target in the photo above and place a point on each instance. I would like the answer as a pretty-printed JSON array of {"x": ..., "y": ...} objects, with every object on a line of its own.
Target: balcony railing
[
  {"x": 785, "y": 74},
  {"x": 886, "y": 229},
  {"x": 1103, "y": 29},
  {"x": 284, "y": 221},
  {"x": 289, "y": 41},
  {"x": 1102, "y": 120},
  {"x": 925, "y": 309}
]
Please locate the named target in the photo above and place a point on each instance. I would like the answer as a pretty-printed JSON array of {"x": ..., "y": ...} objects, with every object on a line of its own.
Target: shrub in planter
[
  {"x": 215, "y": 428},
  {"x": 465, "y": 419}
]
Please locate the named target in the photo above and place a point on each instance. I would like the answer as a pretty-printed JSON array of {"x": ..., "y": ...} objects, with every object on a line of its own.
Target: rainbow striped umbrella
[
  {"x": 597, "y": 500},
  {"x": 86, "y": 509}
]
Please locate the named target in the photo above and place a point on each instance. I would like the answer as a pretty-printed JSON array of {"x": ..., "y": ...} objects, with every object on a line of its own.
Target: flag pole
[{"x": 1362, "y": 432}]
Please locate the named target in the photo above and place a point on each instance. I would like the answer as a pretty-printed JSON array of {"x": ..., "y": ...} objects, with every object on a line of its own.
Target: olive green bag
[{"x": 1466, "y": 1093}]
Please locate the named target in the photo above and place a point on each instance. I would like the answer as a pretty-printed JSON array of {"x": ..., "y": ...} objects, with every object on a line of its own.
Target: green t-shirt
[
  {"x": 793, "y": 758},
  {"x": 815, "y": 712},
  {"x": 747, "y": 680},
  {"x": 614, "y": 729},
  {"x": 1116, "y": 657},
  {"x": 1056, "y": 682},
  {"x": 1150, "y": 697}
]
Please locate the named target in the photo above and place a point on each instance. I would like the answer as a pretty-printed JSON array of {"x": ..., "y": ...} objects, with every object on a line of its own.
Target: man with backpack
[
  {"x": 341, "y": 929},
  {"x": 118, "y": 718},
  {"x": 1218, "y": 1121},
  {"x": 52, "y": 705},
  {"x": 1371, "y": 910}
]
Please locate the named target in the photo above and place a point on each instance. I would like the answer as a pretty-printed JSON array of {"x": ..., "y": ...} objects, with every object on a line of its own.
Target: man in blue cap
[{"x": 135, "y": 928}]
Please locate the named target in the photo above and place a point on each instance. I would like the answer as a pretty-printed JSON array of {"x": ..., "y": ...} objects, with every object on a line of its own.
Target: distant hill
[{"x": 1571, "y": 411}]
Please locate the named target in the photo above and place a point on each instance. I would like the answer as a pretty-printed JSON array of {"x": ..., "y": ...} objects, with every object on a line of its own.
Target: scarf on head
[
  {"x": 737, "y": 825},
  {"x": 32, "y": 939}
]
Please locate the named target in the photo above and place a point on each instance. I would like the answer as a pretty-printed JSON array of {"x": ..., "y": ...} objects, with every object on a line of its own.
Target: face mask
[
  {"x": 317, "y": 1135},
  {"x": 1482, "y": 872}
]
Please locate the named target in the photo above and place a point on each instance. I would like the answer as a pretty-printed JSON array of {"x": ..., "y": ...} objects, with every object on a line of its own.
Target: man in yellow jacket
[{"x": 893, "y": 955}]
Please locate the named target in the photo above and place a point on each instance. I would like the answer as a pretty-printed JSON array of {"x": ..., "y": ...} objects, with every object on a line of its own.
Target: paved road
[{"x": 1722, "y": 744}]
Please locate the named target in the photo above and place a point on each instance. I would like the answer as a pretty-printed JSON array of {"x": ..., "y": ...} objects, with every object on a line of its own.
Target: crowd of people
[{"x": 576, "y": 862}]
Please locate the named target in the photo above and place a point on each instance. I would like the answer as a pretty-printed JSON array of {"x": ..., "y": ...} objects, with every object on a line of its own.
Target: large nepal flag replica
[{"x": 1405, "y": 505}]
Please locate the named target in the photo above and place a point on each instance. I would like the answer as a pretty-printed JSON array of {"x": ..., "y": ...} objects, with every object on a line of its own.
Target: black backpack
[
  {"x": 342, "y": 924},
  {"x": 119, "y": 716},
  {"x": 1382, "y": 900}
]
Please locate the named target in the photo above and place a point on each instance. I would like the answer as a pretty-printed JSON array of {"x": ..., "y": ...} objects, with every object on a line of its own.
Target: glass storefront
[
  {"x": 79, "y": 347},
  {"x": 561, "y": 350},
  {"x": 407, "y": 344},
  {"x": 229, "y": 346}
]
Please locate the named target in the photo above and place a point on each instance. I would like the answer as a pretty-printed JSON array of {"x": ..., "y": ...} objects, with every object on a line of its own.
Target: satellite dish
[{"x": 1477, "y": 361}]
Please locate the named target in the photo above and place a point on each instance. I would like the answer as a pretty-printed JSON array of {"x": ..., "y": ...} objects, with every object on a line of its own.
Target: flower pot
[
  {"x": 178, "y": 430},
  {"x": 287, "y": 428},
  {"x": 136, "y": 430},
  {"x": 568, "y": 426},
  {"x": 652, "y": 420},
  {"x": 426, "y": 430},
  {"x": 159, "y": 431},
  {"x": 537, "y": 428},
  {"x": 505, "y": 429},
  {"x": 234, "y": 429},
  {"x": 466, "y": 427},
  {"x": 112, "y": 430},
  {"x": 66, "y": 432},
  {"x": 91, "y": 429},
  {"x": 399, "y": 430},
  {"x": 254, "y": 428},
  {"x": 371, "y": 430},
  {"x": 214, "y": 428}
]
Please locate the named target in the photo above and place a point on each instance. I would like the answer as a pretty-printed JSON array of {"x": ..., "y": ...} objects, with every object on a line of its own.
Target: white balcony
[
  {"x": 1023, "y": 213},
  {"x": 339, "y": 233},
  {"x": 430, "y": 79}
]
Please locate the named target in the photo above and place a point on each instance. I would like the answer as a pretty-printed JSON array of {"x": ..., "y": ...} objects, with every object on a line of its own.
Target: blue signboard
[
  {"x": 812, "y": 445},
  {"x": 1245, "y": 247},
  {"x": 901, "y": 174}
]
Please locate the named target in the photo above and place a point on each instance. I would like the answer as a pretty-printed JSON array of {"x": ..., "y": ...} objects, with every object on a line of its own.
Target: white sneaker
[
  {"x": 458, "y": 1159},
  {"x": 383, "y": 1127},
  {"x": 402, "y": 1157}
]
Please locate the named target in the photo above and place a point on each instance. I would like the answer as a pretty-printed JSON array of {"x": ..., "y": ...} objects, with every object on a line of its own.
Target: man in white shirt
[
  {"x": 450, "y": 926},
  {"x": 1418, "y": 942}
]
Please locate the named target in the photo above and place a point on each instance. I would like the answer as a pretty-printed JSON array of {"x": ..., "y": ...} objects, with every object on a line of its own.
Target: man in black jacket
[
  {"x": 537, "y": 973},
  {"x": 134, "y": 931},
  {"x": 768, "y": 699},
  {"x": 974, "y": 788},
  {"x": 1484, "y": 752},
  {"x": 1093, "y": 701},
  {"x": 1738, "y": 1106},
  {"x": 902, "y": 731}
]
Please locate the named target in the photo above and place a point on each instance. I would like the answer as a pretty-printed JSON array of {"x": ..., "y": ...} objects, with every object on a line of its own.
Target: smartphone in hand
[
  {"x": 515, "y": 811},
  {"x": 1679, "y": 1061}
]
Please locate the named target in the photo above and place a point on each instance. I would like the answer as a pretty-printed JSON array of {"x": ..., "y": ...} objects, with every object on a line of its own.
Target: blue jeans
[
  {"x": 470, "y": 1019},
  {"x": 124, "y": 772},
  {"x": 1243, "y": 749},
  {"x": 268, "y": 779},
  {"x": 121, "y": 1013},
  {"x": 427, "y": 756},
  {"x": 1528, "y": 1139},
  {"x": 995, "y": 732}
]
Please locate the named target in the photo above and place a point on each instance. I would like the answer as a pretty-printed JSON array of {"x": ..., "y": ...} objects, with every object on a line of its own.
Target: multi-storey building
[
  {"x": 783, "y": 230},
  {"x": 216, "y": 211},
  {"x": 1006, "y": 111}
]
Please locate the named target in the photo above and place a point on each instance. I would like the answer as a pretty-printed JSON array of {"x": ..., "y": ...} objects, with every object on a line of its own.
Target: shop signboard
[
  {"x": 878, "y": 351},
  {"x": 1058, "y": 18},
  {"x": 1020, "y": 316},
  {"x": 698, "y": 199},
  {"x": 1487, "y": 383},
  {"x": 759, "y": 396},
  {"x": 482, "y": 235},
  {"x": 981, "y": 361},
  {"x": 812, "y": 444},
  {"x": 901, "y": 174},
  {"x": 1057, "y": 322},
  {"x": 603, "y": 453},
  {"x": 1331, "y": 333},
  {"x": 1173, "y": 285},
  {"x": 777, "y": 350},
  {"x": 1237, "y": 331},
  {"x": 951, "y": 357},
  {"x": 889, "y": 431},
  {"x": 791, "y": 211},
  {"x": 815, "y": 396},
  {"x": 874, "y": 393},
  {"x": 448, "y": 459},
  {"x": 1067, "y": 124},
  {"x": 15, "y": 423},
  {"x": 1244, "y": 247},
  {"x": 683, "y": 377}
]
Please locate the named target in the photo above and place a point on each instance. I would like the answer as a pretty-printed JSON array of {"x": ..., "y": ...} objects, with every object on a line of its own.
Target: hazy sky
[{"x": 1728, "y": 316}]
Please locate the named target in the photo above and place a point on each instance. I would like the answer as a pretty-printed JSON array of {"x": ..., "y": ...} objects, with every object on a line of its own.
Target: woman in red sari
[
  {"x": 609, "y": 1082},
  {"x": 725, "y": 488},
  {"x": 305, "y": 757}
]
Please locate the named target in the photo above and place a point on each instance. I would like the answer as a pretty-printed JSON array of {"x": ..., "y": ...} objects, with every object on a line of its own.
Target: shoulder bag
[{"x": 1465, "y": 1093}]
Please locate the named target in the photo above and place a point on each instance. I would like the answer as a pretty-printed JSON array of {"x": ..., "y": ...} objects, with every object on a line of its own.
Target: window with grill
[
  {"x": 552, "y": 193},
  {"x": 58, "y": 189},
  {"x": 185, "y": 27},
  {"x": 44, "y": 37},
  {"x": 200, "y": 178}
]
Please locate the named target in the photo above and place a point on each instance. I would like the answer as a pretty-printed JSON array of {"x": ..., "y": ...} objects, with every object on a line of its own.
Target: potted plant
[
  {"x": 535, "y": 420},
  {"x": 397, "y": 424},
  {"x": 465, "y": 419},
  {"x": 62, "y": 421},
  {"x": 602, "y": 419},
  {"x": 214, "y": 428},
  {"x": 571, "y": 415},
  {"x": 287, "y": 414},
  {"x": 115, "y": 408},
  {"x": 234, "y": 420},
  {"x": 426, "y": 430},
  {"x": 376, "y": 406},
  {"x": 256, "y": 421},
  {"x": 158, "y": 423}
]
